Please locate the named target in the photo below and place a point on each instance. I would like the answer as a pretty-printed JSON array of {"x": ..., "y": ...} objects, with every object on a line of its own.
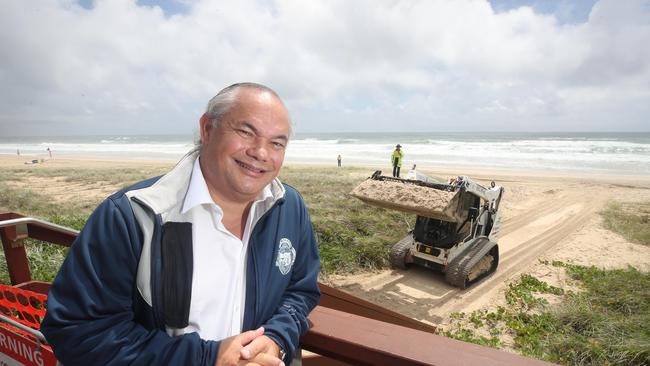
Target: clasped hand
[{"x": 251, "y": 348}]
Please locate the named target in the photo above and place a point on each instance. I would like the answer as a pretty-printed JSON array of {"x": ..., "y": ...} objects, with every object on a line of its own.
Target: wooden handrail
[
  {"x": 362, "y": 341},
  {"x": 345, "y": 328},
  {"x": 342, "y": 301},
  {"x": 39, "y": 223},
  {"x": 14, "y": 228}
]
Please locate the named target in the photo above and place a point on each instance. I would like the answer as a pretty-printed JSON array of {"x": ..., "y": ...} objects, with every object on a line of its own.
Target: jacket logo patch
[{"x": 286, "y": 256}]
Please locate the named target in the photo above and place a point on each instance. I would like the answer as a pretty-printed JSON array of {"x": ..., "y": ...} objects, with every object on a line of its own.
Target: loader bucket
[{"x": 411, "y": 197}]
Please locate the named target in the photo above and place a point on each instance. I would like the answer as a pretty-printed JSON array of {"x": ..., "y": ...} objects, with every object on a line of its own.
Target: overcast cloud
[{"x": 116, "y": 67}]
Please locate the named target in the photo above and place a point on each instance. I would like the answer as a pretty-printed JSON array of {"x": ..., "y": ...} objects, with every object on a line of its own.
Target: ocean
[{"x": 621, "y": 153}]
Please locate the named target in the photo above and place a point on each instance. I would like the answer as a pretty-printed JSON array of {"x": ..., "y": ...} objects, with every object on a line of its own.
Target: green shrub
[{"x": 605, "y": 324}]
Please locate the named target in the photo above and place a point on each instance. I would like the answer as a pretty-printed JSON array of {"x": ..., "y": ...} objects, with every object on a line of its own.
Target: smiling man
[{"x": 214, "y": 263}]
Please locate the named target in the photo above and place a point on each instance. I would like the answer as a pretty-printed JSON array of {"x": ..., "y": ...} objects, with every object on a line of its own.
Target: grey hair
[{"x": 221, "y": 103}]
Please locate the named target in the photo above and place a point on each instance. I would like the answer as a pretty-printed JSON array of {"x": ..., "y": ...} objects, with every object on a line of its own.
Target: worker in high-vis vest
[{"x": 396, "y": 160}]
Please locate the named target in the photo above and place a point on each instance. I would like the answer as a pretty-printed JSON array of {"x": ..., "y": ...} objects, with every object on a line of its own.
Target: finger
[
  {"x": 252, "y": 349},
  {"x": 261, "y": 344},
  {"x": 247, "y": 337}
]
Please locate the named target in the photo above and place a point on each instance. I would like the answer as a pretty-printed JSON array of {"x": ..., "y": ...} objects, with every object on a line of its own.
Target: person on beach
[
  {"x": 396, "y": 160},
  {"x": 412, "y": 174},
  {"x": 49, "y": 152},
  {"x": 338, "y": 159},
  {"x": 213, "y": 263}
]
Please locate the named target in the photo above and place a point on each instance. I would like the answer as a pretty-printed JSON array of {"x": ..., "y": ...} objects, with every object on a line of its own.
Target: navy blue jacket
[{"x": 128, "y": 276}]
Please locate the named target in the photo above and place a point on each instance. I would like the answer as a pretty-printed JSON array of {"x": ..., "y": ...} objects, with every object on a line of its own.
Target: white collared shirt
[{"x": 219, "y": 258}]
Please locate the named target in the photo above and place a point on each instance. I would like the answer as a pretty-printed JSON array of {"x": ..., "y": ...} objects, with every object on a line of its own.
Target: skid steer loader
[{"x": 456, "y": 228}]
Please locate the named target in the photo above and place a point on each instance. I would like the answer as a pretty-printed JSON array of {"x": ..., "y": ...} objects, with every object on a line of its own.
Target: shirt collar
[
  {"x": 265, "y": 194},
  {"x": 197, "y": 191}
]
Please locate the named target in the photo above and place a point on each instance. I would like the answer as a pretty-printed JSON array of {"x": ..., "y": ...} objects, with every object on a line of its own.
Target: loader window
[
  {"x": 468, "y": 204},
  {"x": 467, "y": 201},
  {"x": 434, "y": 232}
]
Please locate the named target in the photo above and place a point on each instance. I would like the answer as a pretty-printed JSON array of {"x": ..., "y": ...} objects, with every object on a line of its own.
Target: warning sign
[{"x": 18, "y": 350}]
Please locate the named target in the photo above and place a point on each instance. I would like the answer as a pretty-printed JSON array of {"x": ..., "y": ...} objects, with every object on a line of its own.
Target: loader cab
[
  {"x": 447, "y": 232},
  {"x": 435, "y": 233}
]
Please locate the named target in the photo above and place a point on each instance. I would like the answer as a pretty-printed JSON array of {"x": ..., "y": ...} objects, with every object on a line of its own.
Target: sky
[{"x": 85, "y": 67}]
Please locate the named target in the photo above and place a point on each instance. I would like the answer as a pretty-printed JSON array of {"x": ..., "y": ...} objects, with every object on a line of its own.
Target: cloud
[{"x": 117, "y": 67}]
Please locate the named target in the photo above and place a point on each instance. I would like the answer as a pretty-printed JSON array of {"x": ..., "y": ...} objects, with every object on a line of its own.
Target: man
[
  {"x": 214, "y": 263},
  {"x": 338, "y": 159},
  {"x": 396, "y": 160}
]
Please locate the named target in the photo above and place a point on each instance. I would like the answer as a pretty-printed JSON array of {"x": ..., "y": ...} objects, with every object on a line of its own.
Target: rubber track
[
  {"x": 397, "y": 255},
  {"x": 458, "y": 271}
]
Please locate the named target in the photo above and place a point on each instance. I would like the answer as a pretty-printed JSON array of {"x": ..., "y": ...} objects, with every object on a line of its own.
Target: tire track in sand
[
  {"x": 520, "y": 256},
  {"x": 541, "y": 209}
]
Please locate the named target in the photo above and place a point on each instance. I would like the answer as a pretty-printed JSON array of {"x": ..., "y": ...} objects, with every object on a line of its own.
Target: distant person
[
  {"x": 338, "y": 159},
  {"x": 412, "y": 174},
  {"x": 18, "y": 152},
  {"x": 49, "y": 152},
  {"x": 396, "y": 160}
]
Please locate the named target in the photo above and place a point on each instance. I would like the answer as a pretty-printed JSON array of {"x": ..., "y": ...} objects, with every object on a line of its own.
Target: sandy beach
[{"x": 547, "y": 216}]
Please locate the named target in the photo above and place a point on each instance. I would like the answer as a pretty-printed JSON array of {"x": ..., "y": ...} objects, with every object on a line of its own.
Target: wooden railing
[{"x": 345, "y": 330}]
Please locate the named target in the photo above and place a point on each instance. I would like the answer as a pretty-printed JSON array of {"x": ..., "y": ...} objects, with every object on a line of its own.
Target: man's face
[{"x": 245, "y": 150}]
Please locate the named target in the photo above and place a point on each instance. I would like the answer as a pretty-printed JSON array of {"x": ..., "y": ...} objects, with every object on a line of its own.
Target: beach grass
[
  {"x": 605, "y": 323},
  {"x": 25, "y": 200},
  {"x": 113, "y": 176},
  {"x": 629, "y": 219}
]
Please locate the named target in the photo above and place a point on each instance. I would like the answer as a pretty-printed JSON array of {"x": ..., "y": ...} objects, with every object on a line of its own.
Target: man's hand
[
  {"x": 231, "y": 347},
  {"x": 263, "y": 351}
]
